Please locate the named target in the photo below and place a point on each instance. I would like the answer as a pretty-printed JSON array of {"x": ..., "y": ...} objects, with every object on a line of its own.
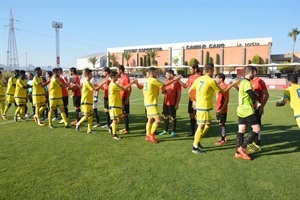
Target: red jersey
[
  {"x": 190, "y": 81},
  {"x": 105, "y": 87},
  {"x": 171, "y": 93},
  {"x": 220, "y": 98},
  {"x": 258, "y": 86},
  {"x": 64, "y": 89},
  {"x": 123, "y": 81},
  {"x": 77, "y": 91}
]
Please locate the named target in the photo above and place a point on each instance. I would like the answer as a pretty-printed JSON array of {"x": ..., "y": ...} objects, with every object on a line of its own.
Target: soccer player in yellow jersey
[
  {"x": 21, "y": 96},
  {"x": 55, "y": 98},
  {"x": 87, "y": 100},
  {"x": 292, "y": 94},
  {"x": 2, "y": 97},
  {"x": 115, "y": 102},
  {"x": 203, "y": 88},
  {"x": 38, "y": 95},
  {"x": 151, "y": 90},
  {"x": 10, "y": 92}
]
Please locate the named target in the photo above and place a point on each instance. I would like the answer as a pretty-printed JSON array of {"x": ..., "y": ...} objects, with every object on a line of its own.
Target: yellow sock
[
  {"x": 206, "y": 128},
  {"x": 197, "y": 136},
  {"x": 5, "y": 110},
  {"x": 17, "y": 111},
  {"x": 148, "y": 128},
  {"x": 64, "y": 117},
  {"x": 114, "y": 127},
  {"x": 2, "y": 107},
  {"x": 82, "y": 120},
  {"x": 90, "y": 122},
  {"x": 50, "y": 118},
  {"x": 154, "y": 127},
  {"x": 37, "y": 111}
]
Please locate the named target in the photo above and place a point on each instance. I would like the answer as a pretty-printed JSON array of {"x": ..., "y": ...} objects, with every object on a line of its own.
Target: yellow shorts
[
  {"x": 10, "y": 98},
  {"x": 56, "y": 103},
  {"x": 203, "y": 117},
  {"x": 20, "y": 101},
  {"x": 115, "y": 113},
  {"x": 2, "y": 98},
  {"x": 152, "y": 111},
  {"x": 86, "y": 109},
  {"x": 39, "y": 100}
]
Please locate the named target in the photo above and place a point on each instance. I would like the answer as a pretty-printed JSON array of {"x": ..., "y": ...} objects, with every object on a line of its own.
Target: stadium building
[{"x": 222, "y": 52}]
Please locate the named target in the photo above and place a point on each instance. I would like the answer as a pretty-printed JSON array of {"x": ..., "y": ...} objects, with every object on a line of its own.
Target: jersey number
[
  {"x": 298, "y": 92},
  {"x": 145, "y": 86},
  {"x": 201, "y": 84}
]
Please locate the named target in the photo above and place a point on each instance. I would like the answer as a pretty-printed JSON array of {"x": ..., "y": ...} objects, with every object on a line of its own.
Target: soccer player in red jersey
[
  {"x": 171, "y": 102},
  {"x": 105, "y": 87},
  {"x": 65, "y": 94},
  {"x": 125, "y": 94},
  {"x": 76, "y": 93},
  {"x": 260, "y": 89},
  {"x": 195, "y": 73},
  {"x": 221, "y": 108}
]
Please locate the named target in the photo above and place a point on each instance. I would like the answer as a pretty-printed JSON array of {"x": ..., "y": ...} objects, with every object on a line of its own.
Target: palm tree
[
  {"x": 94, "y": 60},
  {"x": 126, "y": 56},
  {"x": 293, "y": 34},
  {"x": 113, "y": 59},
  {"x": 152, "y": 54}
]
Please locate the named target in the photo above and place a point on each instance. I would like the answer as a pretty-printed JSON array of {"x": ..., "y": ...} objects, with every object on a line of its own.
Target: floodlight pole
[{"x": 57, "y": 26}]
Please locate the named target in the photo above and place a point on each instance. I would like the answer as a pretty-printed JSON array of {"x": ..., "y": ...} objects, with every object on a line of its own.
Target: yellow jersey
[
  {"x": 55, "y": 91},
  {"x": 114, "y": 97},
  {"x": 11, "y": 86},
  {"x": 87, "y": 93},
  {"x": 151, "y": 91},
  {"x": 37, "y": 89},
  {"x": 21, "y": 90},
  {"x": 205, "y": 87},
  {"x": 292, "y": 94},
  {"x": 1, "y": 90}
]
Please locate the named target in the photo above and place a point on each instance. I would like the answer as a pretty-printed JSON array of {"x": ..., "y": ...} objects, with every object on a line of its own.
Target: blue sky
[{"x": 92, "y": 26}]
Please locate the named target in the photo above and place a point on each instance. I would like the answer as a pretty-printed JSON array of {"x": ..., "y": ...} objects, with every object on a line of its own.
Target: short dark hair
[
  {"x": 37, "y": 69},
  {"x": 73, "y": 70},
  {"x": 17, "y": 72},
  {"x": 208, "y": 67},
  {"x": 254, "y": 68},
  {"x": 106, "y": 69},
  {"x": 151, "y": 69},
  {"x": 221, "y": 75},
  {"x": 50, "y": 73},
  {"x": 196, "y": 67},
  {"x": 293, "y": 79},
  {"x": 122, "y": 68},
  {"x": 113, "y": 74},
  {"x": 87, "y": 71},
  {"x": 60, "y": 69},
  {"x": 170, "y": 71},
  {"x": 55, "y": 70}
]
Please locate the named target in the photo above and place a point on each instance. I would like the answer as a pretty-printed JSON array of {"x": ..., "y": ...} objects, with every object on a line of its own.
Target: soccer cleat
[
  {"x": 51, "y": 126},
  {"x": 105, "y": 126},
  {"x": 115, "y": 137},
  {"x": 253, "y": 147},
  {"x": 96, "y": 125},
  {"x": 220, "y": 142},
  {"x": 197, "y": 150},
  {"x": 77, "y": 128},
  {"x": 243, "y": 153},
  {"x": 4, "y": 117},
  {"x": 90, "y": 131},
  {"x": 173, "y": 134},
  {"x": 41, "y": 124},
  {"x": 67, "y": 126},
  {"x": 162, "y": 133},
  {"x": 22, "y": 120},
  {"x": 61, "y": 121},
  {"x": 123, "y": 132},
  {"x": 237, "y": 155},
  {"x": 54, "y": 119},
  {"x": 151, "y": 138}
]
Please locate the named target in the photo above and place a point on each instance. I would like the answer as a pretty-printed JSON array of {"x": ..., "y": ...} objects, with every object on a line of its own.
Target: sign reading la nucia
[{"x": 200, "y": 46}]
